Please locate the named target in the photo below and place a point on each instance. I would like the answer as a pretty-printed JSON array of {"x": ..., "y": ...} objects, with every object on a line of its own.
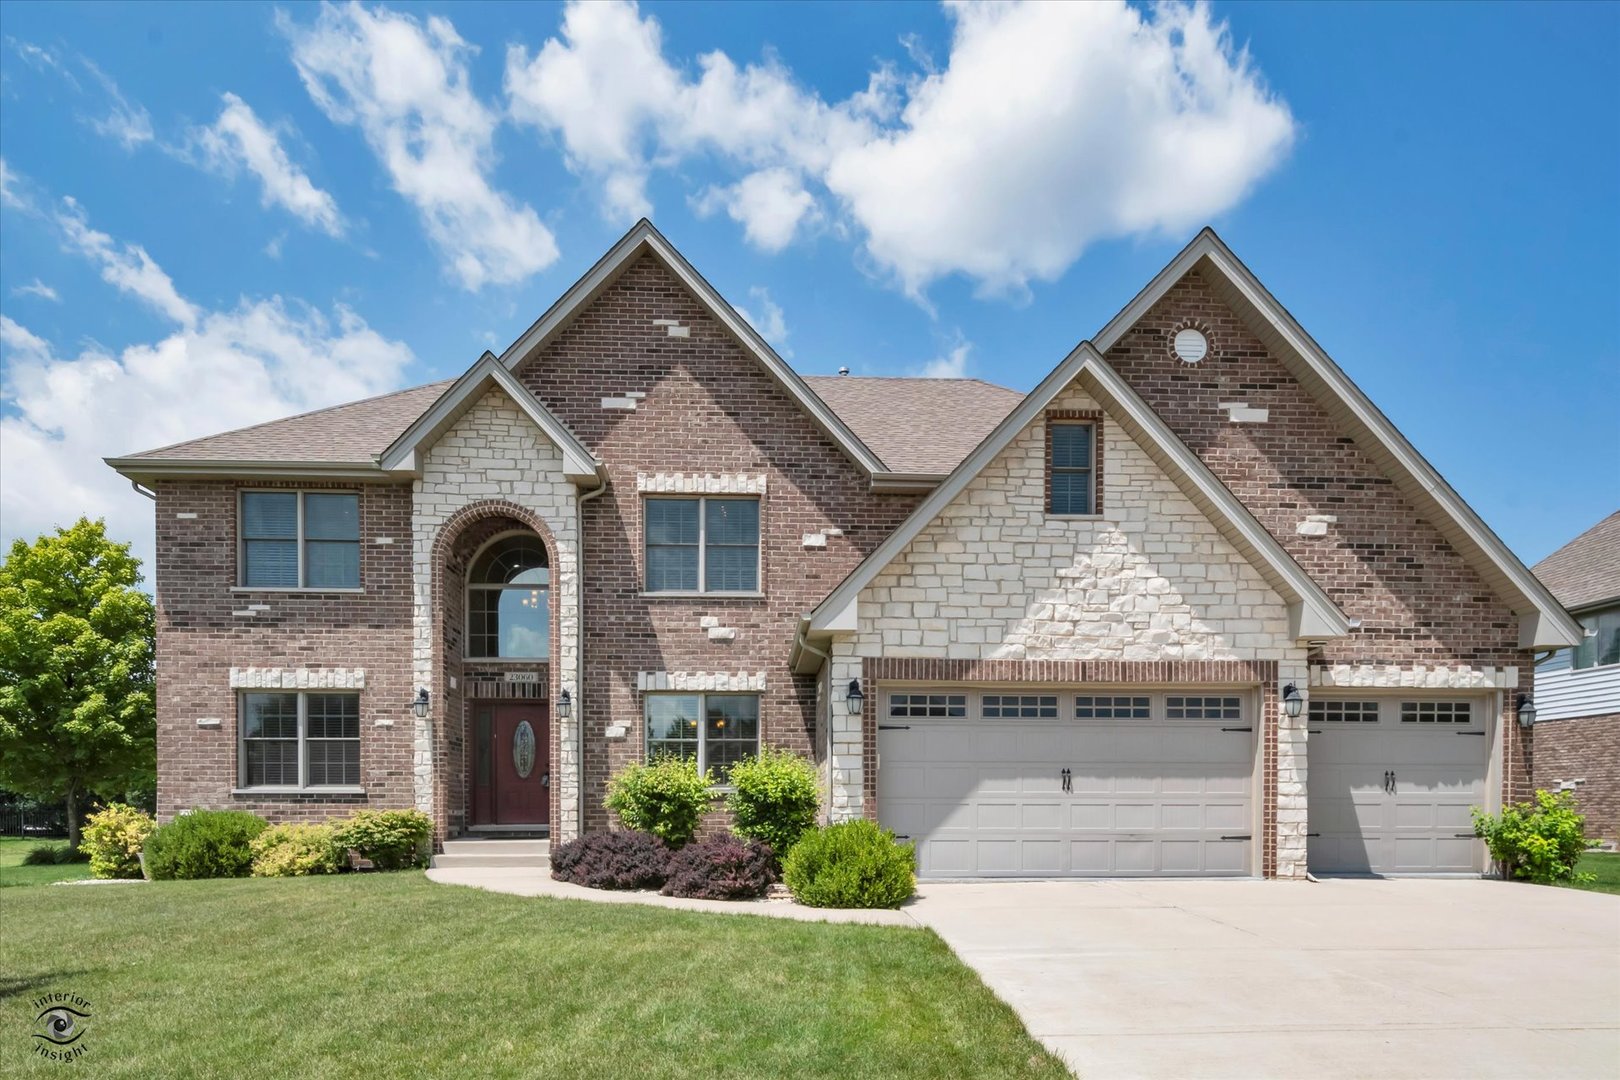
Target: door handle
[
  {"x": 545, "y": 779},
  {"x": 1393, "y": 780},
  {"x": 1068, "y": 781}
]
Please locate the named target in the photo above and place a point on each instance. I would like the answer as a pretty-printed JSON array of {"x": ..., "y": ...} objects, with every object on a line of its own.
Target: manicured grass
[
  {"x": 13, "y": 872},
  {"x": 1606, "y": 865},
  {"x": 391, "y": 975}
]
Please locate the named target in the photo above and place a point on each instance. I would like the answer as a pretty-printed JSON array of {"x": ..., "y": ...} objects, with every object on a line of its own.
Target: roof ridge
[{"x": 917, "y": 379}]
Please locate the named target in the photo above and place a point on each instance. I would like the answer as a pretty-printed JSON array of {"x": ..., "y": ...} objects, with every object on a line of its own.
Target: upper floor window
[
  {"x": 300, "y": 540},
  {"x": 1070, "y": 468},
  {"x": 707, "y": 545},
  {"x": 1603, "y": 646},
  {"x": 508, "y": 593}
]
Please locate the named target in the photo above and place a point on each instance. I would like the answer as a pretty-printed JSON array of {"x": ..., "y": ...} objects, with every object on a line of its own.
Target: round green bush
[
  {"x": 296, "y": 850},
  {"x": 854, "y": 864},
  {"x": 113, "y": 839},
  {"x": 665, "y": 797},
  {"x": 204, "y": 844},
  {"x": 775, "y": 798},
  {"x": 391, "y": 839}
]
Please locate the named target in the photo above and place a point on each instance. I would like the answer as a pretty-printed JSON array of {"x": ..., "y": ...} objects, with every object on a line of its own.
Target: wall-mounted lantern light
[
  {"x": 419, "y": 704},
  {"x": 854, "y": 698},
  {"x": 1527, "y": 711},
  {"x": 1293, "y": 702},
  {"x": 565, "y": 705}
]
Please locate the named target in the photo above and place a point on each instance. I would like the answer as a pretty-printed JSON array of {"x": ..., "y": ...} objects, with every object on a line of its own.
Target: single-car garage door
[
  {"x": 1391, "y": 784},
  {"x": 1075, "y": 783}
]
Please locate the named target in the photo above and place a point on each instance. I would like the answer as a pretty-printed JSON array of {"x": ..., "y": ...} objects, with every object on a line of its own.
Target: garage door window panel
[
  {"x": 946, "y": 706},
  {"x": 1203, "y": 708}
]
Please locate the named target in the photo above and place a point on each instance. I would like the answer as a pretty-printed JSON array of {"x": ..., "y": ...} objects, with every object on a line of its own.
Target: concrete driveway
[{"x": 1392, "y": 978}]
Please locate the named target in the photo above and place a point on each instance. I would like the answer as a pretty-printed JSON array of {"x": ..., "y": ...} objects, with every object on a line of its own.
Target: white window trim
[
  {"x": 703, "y": 738},
  {"x": 303, "y": 785},
  {"x": 466, "y": 600},
  {"x": 703, "y": 546},
  {"x": 298, "y": 542}
]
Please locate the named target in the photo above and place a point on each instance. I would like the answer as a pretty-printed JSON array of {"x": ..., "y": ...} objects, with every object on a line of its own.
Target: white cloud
[
  {"x": 38, "y": 288},
  {"x": 126, "y": 123},
  {"x": 770, "y": 322},
  {"x": 10, "y": 189},
  {"x": 951, "y": 364},
  {"x": 1048, "y": 127},
  {"x": 126, "y": 267},
  {"x": 404, "y": 84},
  {"x": 239, "y": 139}
]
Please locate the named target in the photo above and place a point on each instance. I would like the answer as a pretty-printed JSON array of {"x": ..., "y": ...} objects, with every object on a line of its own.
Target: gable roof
[
  {"x": 1311, "y": 614},
  {"x": 644, "y": 239},
  {"x": 1586, "y": 571},
  {"x": 921, "y": 427},
  {"x": 1543, "y": 623},
  {"x": 403, "y": 455}
]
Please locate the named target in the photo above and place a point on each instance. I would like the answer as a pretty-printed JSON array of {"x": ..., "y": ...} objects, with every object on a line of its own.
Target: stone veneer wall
[
  {"x": 1148, "y": 579},
  {"x": 493, "y": 455}
]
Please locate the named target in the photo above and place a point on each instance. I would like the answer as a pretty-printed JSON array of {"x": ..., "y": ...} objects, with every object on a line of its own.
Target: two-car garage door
[{"x": 1069, "y": 784}]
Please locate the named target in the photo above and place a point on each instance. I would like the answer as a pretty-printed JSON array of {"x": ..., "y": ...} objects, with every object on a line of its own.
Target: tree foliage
[{"x": 77, "y": 717}]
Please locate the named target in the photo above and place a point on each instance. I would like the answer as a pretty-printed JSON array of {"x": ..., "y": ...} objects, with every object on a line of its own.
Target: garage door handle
[
  {"x": 894, "y": 727},
  {"x": 1481, "y": 734},
  {"x": 1465, "y": 835},
  {"x": 1240, "y": 836},
  {"x": 1237, "y": 729},
  {"x": 1068, "y": 782}
]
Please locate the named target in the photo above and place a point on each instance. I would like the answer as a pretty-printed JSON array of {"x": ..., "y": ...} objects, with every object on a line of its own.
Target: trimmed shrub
[
  {"x": 1540, "y": 841},
  {"x": 54, "y": 855},
  {"x": 776, "y": 798},
  {"x": 204, "y": 844},
  {"x": 296, "y": 850},
  {"x": 854, "y": 864},
  {"x": 113, "y": 839},
  {"x": 612, "y": 860},
  {"x": 722, "y": 868},
  {"x": 665, "y": 797},
  {"x": 391, "y": 839}
]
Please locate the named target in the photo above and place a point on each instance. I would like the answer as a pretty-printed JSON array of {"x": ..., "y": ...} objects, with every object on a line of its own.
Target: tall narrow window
[
  {"x": 292, "y": 540},
  {"x": 1070, "y": 470},
  {"x": 705, "y": 544},
  {"x": 508, "y": 601}
]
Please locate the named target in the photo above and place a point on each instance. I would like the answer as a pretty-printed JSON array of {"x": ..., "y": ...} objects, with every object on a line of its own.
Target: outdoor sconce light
[
  {"x": 1293, "y": 703},
  {"x": 1527, "y": 711},
  {"x": 565, "y": 705},
  {"x": 854, "y": 698},
  {"x": 419, "y": 704}
]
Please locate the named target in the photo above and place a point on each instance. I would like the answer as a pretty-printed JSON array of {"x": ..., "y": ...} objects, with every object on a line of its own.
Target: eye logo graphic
[{"x": 60, "y": 1026}]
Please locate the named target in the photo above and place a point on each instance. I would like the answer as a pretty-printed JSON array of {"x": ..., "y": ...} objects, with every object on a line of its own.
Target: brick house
[
  {"x": 1577, "y": 732},
  {"x": 1062, "y": 633}
]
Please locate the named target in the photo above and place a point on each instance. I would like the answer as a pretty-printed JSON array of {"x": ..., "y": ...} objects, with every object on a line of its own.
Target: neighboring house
[
  {"x": 1043, "y": 634},
  {"x": 1577, "y": 733}
]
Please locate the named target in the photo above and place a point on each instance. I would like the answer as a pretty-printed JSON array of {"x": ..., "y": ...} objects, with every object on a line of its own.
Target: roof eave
[{"x": 144, "y": 470}]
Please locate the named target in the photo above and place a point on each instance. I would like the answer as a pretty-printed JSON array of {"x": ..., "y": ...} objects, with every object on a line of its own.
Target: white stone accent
[
  {"x": 1239, "y": 412},
  {"x": 616, "y": 731},
  {"x": 1316, "y": 525},
  {"x": 680, "y": 331},
  {"x": 700, "y": 680},
  {"x": 701, "y": 484},
  {"x": 1293, "y": 760},
  {"x": 815, "y": 540},
  {"x": 209, "y": 722},
  {"x": 637, "y": 394},
  {"x": 494, "y": 451},
  {"x": 1417, "y": 677},
  {"x": 619, "y": 403},
  {"x": 666, "y": 322},
  {"x": 707, "y": 621},
  {"x": 722, "y": 633},
  {"x": 335, "y": 678},
  {"x": 382, "y": 539},
  {"x": 187, "y": 515}
]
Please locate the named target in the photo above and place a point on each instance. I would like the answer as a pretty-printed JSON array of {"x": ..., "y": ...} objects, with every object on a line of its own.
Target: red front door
[{"x": 511, "y": 774}]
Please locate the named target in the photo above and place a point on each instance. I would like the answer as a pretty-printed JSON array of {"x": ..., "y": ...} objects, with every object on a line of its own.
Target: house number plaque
[{"x": 523, "y": 749}]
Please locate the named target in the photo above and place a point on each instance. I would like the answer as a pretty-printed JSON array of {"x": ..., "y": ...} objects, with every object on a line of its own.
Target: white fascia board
[
  {"x": 142, "y": 470},
  {"x": 644, "y": 237},
  {"x": 1546, "y": 621}
]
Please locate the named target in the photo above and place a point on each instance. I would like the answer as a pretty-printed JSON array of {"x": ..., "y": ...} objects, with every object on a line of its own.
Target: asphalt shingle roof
[{"x": 1587, "y": 569}]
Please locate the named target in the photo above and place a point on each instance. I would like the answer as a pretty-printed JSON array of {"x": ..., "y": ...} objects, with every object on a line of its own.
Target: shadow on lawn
[{"x": 14, "y": 987}]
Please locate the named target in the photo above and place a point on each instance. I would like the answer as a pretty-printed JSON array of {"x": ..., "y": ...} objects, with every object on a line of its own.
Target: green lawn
[
  {"x": 1606, "y": 865},
  {"x": 13, "y": 872},
  {"x": 391, "y": 975}
]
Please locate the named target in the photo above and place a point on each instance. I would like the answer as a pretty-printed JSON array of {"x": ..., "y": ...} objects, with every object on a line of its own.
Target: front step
[{"x": 478, "y": 851}]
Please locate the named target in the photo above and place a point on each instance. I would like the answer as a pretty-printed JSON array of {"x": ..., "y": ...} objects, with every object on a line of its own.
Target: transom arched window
[{"x": 508, "y": 608}]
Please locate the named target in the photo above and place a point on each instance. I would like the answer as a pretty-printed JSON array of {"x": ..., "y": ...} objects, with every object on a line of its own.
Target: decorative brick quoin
[{"x": 1244, "y": 643}]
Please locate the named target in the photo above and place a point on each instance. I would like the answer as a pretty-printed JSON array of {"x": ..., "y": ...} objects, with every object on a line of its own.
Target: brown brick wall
[
  {"x": 710, "y": 409},
  {"x": 1382, "y": 562},
  {"x": 199, "y": 640},
  {"x": 1584, "y": 748}
]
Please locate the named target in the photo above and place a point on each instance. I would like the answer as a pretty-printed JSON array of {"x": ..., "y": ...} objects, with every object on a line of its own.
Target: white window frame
[
  {"x": 298, "y": 541},
  {"x": 703, "y": 697},
  {"x": 703, "y": 546},
  {"x": 303, "y": 785},
  {"x": 467, "y": 591}
]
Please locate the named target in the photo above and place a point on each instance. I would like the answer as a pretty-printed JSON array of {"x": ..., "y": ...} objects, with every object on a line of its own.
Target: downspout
[
  {"x": 826, "y": 663},
  {"x": 136, "y": 484},
  {"x": 579, "y": 648}
]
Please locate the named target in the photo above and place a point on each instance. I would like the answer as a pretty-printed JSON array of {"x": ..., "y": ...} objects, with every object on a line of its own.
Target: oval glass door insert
[{"x": 523, "y": 749}]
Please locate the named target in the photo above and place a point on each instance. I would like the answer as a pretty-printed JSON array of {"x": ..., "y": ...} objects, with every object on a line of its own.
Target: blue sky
[{"x": 217, "y": 214}]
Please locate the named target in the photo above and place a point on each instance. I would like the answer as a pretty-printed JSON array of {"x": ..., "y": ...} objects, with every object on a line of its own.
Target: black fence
[{"x": 22, "y": 816}]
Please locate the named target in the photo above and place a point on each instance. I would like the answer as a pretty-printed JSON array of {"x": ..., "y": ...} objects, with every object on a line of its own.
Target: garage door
[
  {"x": 1391, "y": 784},
  {"x": 1068, "y": 784}
]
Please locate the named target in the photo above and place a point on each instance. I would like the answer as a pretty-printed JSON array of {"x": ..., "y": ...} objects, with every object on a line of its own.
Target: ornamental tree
[{"x": 76, "y": 669}]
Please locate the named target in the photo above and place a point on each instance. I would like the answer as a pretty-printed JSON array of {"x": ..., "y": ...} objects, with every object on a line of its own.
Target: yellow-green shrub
[
  {"x": 113, "y": 839},
  {"x": 296, "y": 850}
]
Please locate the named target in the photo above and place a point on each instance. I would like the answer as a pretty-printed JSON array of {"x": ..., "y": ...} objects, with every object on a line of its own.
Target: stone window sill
[
  {"x": 703, "y": 596},
  {"x": 334, "y": 789},
  {"x": 265, "y": 590}
]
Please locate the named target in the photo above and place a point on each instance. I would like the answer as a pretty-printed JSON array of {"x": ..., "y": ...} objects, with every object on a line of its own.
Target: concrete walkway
[
  {"x": 523, "y": 881},
  {"x": 1385, "y": 979}
]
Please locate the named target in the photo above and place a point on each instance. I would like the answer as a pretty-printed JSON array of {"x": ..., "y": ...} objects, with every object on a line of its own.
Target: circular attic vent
[{"x": 1190, "y": 346}]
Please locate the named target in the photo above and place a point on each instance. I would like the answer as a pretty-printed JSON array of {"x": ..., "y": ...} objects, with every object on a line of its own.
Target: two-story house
[{"x": 1190, "y": 606}]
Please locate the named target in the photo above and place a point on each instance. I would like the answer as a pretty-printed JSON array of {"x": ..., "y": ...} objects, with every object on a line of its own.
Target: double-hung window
[
  {"x": 703, "y": 545},
  {"x": 294, "y": 740},
  {"x": 300, "y": 540},
  {"x": 1070, "y": 470},
  {"x": 714, "y": 730}
]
